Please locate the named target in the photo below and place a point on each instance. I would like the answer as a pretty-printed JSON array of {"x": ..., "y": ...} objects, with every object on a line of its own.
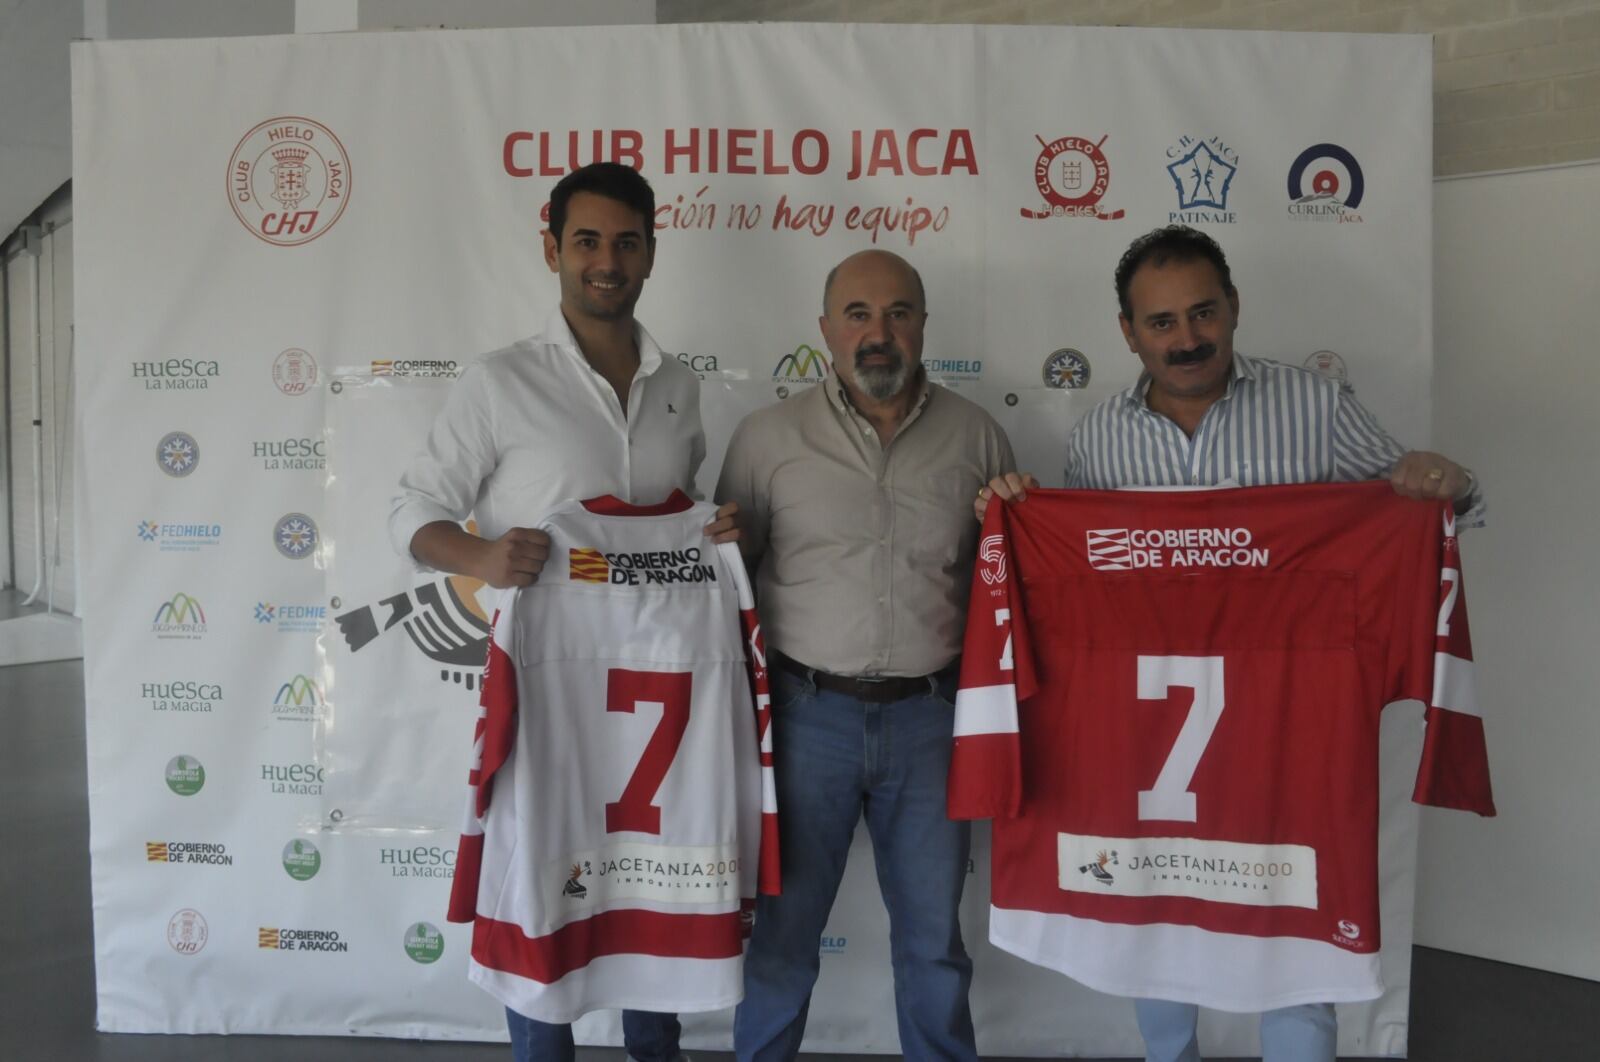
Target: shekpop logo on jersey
[
  {"x": 301, "y": 860},
  {"x": 574, "y": 886},
  {"x": 442, "y": 618},
  {"x": 993, "y": 555},
  {"x": 185, "y": 776},
  {"x": 295, "y": 535},
  {"x": 1349, "y": 929},
  {"x": 423, "y": 943},
  {"x": 274, "y": 939},
  {"x": 1335, "y": 185},
  {"x": 653, "y": 568},
  {"x": 1203, "y": 170},
  {"x": 1096, "y": 868},
  {"x": 177, "y": 453},
  {"x": 207, "y": 852},
  {"x": 298, "y": 699},
  {"x": 187, "y": 932},
  {"x": 1124, "y": 549},
  {"x": 1067, "y": 369}
]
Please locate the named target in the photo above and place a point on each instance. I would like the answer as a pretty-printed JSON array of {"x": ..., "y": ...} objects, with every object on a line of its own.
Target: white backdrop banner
[{"x": 290, "y": 247}]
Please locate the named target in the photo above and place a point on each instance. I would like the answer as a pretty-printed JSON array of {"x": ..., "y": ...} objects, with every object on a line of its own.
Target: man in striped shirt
[{"x": 1203, "y": 415}]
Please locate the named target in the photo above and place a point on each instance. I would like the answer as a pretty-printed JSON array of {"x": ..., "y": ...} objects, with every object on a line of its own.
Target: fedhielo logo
[
  {"x": 1067, "y": 368},
  {"x": 442, "y": 618},
  {"x": 294, "y": 372},
  {"x": 806, "y": 364},
  {"x": 298, "y": 699},
  {"x": 185, "y": 776},
  {"x": 954, "y": 369},
  {"x": 181, "y": 618},
  {"x": 187, "y": 932},
  {"x": 991, "y": 552},
  {"x": 1325, "y": 184},
  {"x": 833, "y": 945},
  {"x": 289, "y": 180},
  {"x": 292, "y": 619},
  {"x": 1072, "y": 175},
  {"x": 423, "y": 943},
  {"x": 177, "y": 453},
  {"x": 176, "y": 374},
  {"x": 1203, "y": 170},
  {"x": 301, "y": 860},
  {"x": 180, "y": 538},
  {"x": 295, "y": 535}
]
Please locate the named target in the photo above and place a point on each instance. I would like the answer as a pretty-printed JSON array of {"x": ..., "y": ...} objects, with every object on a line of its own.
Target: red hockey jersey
[
  {"x": 1169, "y": 704},
  {"x": 621, "y": 810}
]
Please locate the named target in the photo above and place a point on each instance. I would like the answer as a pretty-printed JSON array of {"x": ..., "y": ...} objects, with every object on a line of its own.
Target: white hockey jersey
[{"x": 622, "y": 812}]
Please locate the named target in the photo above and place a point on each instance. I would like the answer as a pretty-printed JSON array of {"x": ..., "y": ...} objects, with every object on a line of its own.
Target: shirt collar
[
  {"x": 1243, "y": 368},
  {"x": 839, "y": 398},
  {"x": 556, "y": 330}
]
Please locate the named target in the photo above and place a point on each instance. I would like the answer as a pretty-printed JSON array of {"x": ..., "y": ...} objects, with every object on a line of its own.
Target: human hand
[
  {"x": 514, "y": 559},
  {"x": 1013, "y": 486},
  {"x": 1427, "y": 476},
  {"x": 725, "y": 528}
]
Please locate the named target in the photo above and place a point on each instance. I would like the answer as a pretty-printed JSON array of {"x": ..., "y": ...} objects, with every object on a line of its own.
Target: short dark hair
[
  {"x": 1171, "y": 243},
  {"x": 612, "y": 180}
]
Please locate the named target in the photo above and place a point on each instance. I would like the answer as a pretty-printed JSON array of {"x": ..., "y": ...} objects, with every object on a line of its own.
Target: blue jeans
[
  {"x": 1306, "y": 1033},
  {"x": 650, "y": 1037},
  {"x": 835, "y": 758}
]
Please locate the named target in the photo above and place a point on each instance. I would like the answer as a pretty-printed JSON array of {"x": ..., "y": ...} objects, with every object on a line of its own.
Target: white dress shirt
[{"x": 533, "y": 425}]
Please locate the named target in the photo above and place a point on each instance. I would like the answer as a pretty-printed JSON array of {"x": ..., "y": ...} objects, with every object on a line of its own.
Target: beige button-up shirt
[{"x": 863, "y": 553}]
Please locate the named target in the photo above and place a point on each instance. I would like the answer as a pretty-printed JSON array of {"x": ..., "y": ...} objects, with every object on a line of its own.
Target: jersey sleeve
[
  {"x": 769, "y": 876},
  {"x": 492, "y": 741},
  {"x": 1454, "y": 772},
  {"x": 996, "y": 672}
]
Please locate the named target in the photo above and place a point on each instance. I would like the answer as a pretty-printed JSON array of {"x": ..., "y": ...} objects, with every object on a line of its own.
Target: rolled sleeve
[{"x": 443, "y": 480}]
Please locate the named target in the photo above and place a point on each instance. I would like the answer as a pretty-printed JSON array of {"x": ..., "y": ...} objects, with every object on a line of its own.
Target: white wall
[{"x": 1516, "y": 262}]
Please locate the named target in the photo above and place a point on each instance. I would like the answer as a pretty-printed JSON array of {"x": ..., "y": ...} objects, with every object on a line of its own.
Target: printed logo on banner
[
  {"x": 181, "y": 695},
  {"x": 176, "y": 374},
  {"x": 1072, "y": 174},
  {"x": 294, "y": 372},
  {"x": 1325, "y": 184},
  {"x": 954, "y": 370},
  {"x": 291, "y": 454},
  {"x": 805, "y": 364},
  {"x": 1123, "y": 549},
  {"x": 1329, "y": 364},
  {"x": 699, "y": 364},
  {"x": 177, "y": 453},
  {"x": 293, "y": 779},
  {"x": 419, "y": 861},
  {"x": 182, "y": 619},
  {"x": 833, "y": 945},
  {"x": 299, "y": 700},
  {"x": 416, "y": 369},
  {"x": 187, "y": 932},
  {"x": 423, "y": 943},
  {"x": 180, "y": 538},
  {"x": 270, "y": 938},
  {"x": 289, "y": 180},
  {"x": 1203, "y": 171},
  {"x": 442, "y": 618},
  {"x": 292, "y": 619},
  {"x": 209, "y": 852},
  {"x": 301, "y": 860},
  {"x": 1066, "y": 368},
  {"x": 295, "y": 535},
  {"x": 185, "y": 776}
]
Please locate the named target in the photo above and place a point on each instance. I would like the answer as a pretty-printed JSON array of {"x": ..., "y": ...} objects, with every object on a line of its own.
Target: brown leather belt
[{"x": 873, "y": 691}]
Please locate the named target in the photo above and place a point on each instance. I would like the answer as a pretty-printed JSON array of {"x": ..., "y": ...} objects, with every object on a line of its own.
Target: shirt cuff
[
  {"x": 410, "y": 514},
  {"x": 1477, "y": 511}
]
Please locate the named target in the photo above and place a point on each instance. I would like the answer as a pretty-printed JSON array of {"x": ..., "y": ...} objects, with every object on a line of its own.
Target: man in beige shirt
[{"x": 854, "y": 499}]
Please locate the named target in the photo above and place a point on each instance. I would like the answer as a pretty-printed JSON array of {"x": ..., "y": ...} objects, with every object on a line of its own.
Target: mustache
[
  {"x": 869, "y": 350},
  {"x": 1192, "y": 357}
]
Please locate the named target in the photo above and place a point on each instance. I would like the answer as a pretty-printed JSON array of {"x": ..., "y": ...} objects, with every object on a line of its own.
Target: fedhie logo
[
  {"x": 1098, "y": 868},
  {"x": 289, "y": 180},
  {"x": 953, "y": 370},
  {"x": 1067, "y": 369},
  {"x": 295, "y": 779},
  {"x": 181, "y": 695},
  {"x": 292, "y": 619},
  {"x": 295, "y": 535},
  {"x": 423, "y": 943},
  {"x": 176, "y": 374},
  {"x": 442, "y": 618},
  {"x": 419, "y": 861},
  {"x": 699, "y": 364},
  {"x": 185, "y": 775},
  {"x": 833, "y": 945},
  {"x": 270, "y": 938},
  {"x": 182, "y": 619},
  {"x": 301, "y": 860},
  {"x": 1203, "y": 170},
  {"x": 991, "y": 551},
  {"x": 1072, "y": 175},
  {"x": 178, "y": 454},
  {"x": 416, "y": 369},
  {"x": 207, "y": 852},
  {"x": 1328, "y": 363},
  {"x": 299, "y": 699},
  {"x": 805, "y": 364},
  {"x": 187, "y": 932},
  {"x": 180, "y": 538},
  {"x": 1124, "y": 549},
  {"x": 1325, "y": 184},
  {"x": 294, "y": 372},
  {"x": 291, "y": 454}
]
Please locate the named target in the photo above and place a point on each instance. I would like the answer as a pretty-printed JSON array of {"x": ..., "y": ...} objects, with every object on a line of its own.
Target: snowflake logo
[
  {"x": 178, "y": 453},
  {"x": 295, "y": 536}
]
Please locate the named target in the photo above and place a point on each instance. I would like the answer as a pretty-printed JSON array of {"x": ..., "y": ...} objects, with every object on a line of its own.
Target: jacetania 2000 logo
[
  {"x": 289, "y": 180},
  {"x": 1124, "y": 549}
]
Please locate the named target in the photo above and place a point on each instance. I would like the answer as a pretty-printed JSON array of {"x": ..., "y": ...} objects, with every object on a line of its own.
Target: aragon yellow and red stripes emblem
[{"x": 588, "y": 566}]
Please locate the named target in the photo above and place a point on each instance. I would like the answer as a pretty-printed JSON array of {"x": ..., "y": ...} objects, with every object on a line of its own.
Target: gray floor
[{"x": 1462, "y": 1009}]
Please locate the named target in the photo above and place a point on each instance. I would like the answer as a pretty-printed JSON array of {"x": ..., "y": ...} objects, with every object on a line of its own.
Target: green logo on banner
[
  {"x": 185, "y": 776},
  {"x": 301, "y": 860},
  {"x": 424, "y": 943}
]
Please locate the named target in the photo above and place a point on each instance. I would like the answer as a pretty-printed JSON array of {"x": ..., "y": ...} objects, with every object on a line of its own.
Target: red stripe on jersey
[
  {"x": 464, "y": 886},
  {"x": 499, "y": 699},
  {"x": 1454, "y": 770},
  {"x": 504, "y": 946}
]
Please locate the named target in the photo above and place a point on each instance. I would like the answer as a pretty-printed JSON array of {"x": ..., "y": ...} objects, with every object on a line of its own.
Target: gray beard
[{"x": 883, "y": 382}]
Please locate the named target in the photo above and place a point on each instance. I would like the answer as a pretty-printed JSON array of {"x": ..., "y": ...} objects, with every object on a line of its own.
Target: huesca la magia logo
[
  {"x": 442, "y": 618},
  {"x": 289, "y": 180}
]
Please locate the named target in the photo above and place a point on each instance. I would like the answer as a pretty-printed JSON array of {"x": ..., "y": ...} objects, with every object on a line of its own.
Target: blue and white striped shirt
[{"x": 1275, "y": 423}]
